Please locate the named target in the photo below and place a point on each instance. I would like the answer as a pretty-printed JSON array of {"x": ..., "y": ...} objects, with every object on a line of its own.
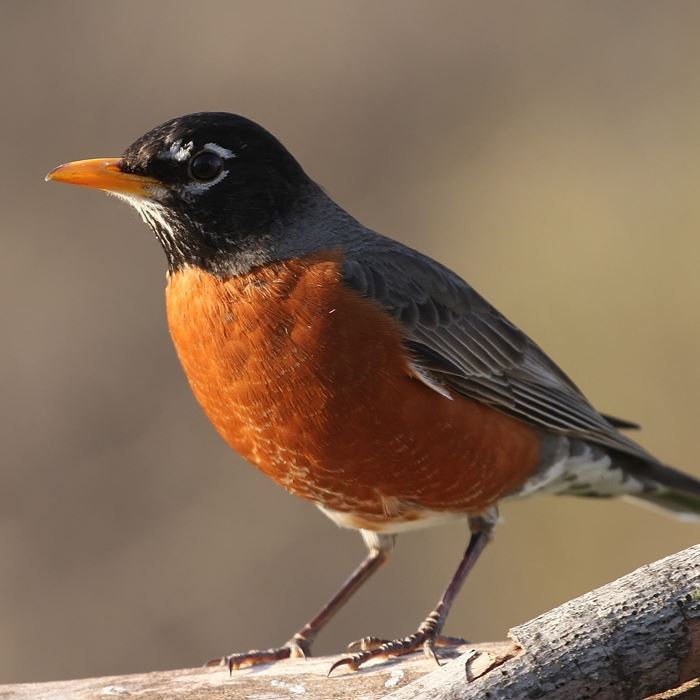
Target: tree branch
[{"x": 637, "y": 636}]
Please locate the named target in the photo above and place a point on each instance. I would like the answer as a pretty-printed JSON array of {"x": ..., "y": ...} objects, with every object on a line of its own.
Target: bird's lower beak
[{"x": 104, "y": 174}]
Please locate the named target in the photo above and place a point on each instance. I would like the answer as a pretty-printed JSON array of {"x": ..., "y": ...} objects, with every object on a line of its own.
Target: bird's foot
[
  {"x": 297, "y": 647},
  {"x": 367, "y": 643},
  {"x": 427, "y": 638}
]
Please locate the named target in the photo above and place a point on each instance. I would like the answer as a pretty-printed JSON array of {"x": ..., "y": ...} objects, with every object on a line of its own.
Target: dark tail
[{"x": 671, "y": 490}]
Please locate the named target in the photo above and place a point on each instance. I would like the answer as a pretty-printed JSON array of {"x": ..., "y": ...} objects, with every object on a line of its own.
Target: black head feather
[{"x": 228, "y": 184}]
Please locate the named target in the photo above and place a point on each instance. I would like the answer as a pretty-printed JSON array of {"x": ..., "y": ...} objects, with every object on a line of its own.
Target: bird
[{"x": 356, "y": 372}]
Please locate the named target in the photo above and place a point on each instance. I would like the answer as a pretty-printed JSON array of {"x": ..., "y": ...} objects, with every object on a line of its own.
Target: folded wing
[{"x": 466, "y": 346}]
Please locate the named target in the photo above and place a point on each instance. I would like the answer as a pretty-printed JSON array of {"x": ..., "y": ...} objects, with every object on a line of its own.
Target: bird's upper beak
[{"x": 105, "y": 174}]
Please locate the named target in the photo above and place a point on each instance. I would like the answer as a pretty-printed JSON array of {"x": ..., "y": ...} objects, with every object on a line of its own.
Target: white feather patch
[
  {"x": 429, "y": 381},
  {"x": 193, "y": 188},
  {"x": 581, "y": 472},
  {"x": 411, "y": 519},
  {"x": 219, "y": 150},
  {"x": 177, "y": 151}
]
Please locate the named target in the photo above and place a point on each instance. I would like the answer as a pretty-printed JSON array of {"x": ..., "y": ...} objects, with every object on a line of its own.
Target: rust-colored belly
[{"x": 311, "y": 383}]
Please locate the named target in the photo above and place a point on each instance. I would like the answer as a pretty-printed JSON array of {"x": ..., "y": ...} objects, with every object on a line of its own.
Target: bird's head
[{"x": 213, "y": 186}]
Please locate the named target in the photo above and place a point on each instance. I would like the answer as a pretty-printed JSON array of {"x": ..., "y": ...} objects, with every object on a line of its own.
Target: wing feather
[{"x": 466, "y": 345}]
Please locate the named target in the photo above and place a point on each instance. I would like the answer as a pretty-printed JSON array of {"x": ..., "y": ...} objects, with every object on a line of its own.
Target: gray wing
[{"x": 467, "y": 346}]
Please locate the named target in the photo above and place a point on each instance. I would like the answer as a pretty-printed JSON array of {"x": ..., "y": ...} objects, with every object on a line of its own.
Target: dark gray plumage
[{"x": 472, "y": 349}]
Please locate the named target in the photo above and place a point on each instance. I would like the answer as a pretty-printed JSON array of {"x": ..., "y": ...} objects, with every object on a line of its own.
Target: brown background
[{"x": 547, "y": 151}]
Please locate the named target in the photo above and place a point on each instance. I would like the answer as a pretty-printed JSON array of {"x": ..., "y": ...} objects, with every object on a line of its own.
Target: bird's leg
[
  {"x": 428, "y": 636},
  {"x": 299, "y": 645}
]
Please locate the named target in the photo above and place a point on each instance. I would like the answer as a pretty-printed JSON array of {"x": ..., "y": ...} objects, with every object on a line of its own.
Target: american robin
[{"x": 357, "y": 373}]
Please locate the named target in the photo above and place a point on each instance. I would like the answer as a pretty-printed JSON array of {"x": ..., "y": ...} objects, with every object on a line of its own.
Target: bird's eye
[{"x": 206, "y": 166}]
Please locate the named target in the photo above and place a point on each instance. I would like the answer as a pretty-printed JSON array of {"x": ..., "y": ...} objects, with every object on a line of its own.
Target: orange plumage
[{"x": 312, "y": 384}]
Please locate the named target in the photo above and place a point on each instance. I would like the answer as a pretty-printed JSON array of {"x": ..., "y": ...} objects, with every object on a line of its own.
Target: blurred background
[{"x": 546, "y": 151}]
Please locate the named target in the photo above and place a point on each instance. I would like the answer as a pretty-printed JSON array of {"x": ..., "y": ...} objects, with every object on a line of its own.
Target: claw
[
  {"x": 345, "y": 661},
  {"x": 429, "y": 651}
]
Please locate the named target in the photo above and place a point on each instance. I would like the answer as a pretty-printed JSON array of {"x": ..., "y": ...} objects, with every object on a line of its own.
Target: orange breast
[{"x": 311, "y": 383}]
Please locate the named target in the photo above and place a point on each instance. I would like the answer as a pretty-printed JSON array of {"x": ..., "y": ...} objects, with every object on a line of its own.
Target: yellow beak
[{"x": 104, "y": 174}]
